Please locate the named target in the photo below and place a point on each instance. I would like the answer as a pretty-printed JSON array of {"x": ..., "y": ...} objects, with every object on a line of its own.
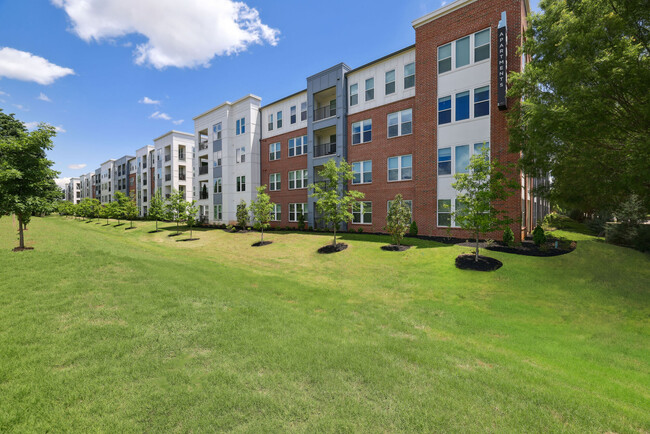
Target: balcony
[
  {"x": 168, "y": 177},
  {"x": 181, "y": 157},
  {"x": 324, "y": 149},
  {"x": 168, "y": 157},
  {"x": 324, "y": 113},
  {"x": 203, "y": 170},
  {"x": 181, "y": 177},
  {"x": 203, "y": 145}
]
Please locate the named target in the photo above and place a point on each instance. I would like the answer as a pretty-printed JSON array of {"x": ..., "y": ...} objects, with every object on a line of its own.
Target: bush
[
  {"x": 642, "y": 240},
  {"x": 413, "y": 230},
  {"x": 301, "y": 222},
  {"x": 508, "y": 237},
  {"x": 597, "y": 223},
  {"x": 360, "y": 230},
  {"x": 539, "y": 237}
]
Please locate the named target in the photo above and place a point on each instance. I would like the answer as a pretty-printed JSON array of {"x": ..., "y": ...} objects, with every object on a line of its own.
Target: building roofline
[
  {"x": 227, "y": 103},
  {"x": 108, "y": 161},
  {"x": 451, "y": 7},
  {"x": 283, "y": 98},
  {"x": 331, "y": 68},
  {"x": 144, "y": 147},
  {"x": 394, "y": 53},
  {"x": 173, "y": 132}
]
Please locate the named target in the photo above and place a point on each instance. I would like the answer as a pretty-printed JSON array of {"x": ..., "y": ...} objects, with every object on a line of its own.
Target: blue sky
[{"x": 91, "y": 77}]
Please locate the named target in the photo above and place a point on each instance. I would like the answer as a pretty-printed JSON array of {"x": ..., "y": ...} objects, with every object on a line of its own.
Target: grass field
[{"x": 106, "y": 329}]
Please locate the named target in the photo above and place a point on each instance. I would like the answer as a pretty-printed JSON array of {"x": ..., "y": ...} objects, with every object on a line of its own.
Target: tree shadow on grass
[
  {"x": 155, "y": 230},
  {"x": 188, "y": 239},
  {"x": 118, "y": 225},
  {"x": 130, "y": 227}
]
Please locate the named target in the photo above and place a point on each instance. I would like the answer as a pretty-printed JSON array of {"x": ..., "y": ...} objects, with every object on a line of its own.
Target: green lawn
[{"x": 106, "y": 329}]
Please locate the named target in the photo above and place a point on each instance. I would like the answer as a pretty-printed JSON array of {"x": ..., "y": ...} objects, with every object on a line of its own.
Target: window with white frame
[
  {"x": 462, "y": 106},
  {"x": 270, "y": 122},
  {"x": 295, "y": 210},
  {"x": 240, "y": 126},
  {"x": 362, "y": 172},
  {"x": 400, "y": 168},
  {"x": 370, "y": 89},
  {"x": 444, "y": 110},
  {"x": 409, "y": 75},
  {"x": 408, "y": 203},
  {"x": 303, "y": 111},
  {"x": 444, "y": 58},
  {"x": 462, "y": 52},
  {"x": 298, "y": 179},
  {"x": 362, "y": 213},
  {"x": 444, "y": 161},
  {"x": 276, "y": 212},
  {"x": 362, "y": 131},
  {"x": 218, "y": 212},
  {"x": 274, "y": 151},
  {"x": 218, "y": 186},
  {"x": 455, "y": 159},
  {"x": 354, "y": 94},
  {"x": 297, "y": 146},
  {"x": 279, "y": 120},
  {"x": 274, "y": 182},
  {"x": 390, "y": 82},
  {"x": 482, "y": 45},
  {"x": 217, "y": 158},
  {"x": 444, "y": 212},
  {"x": 400, "y": 123},
  {"x": 241, "y": 183},
  {"x": 292, "y": 115},
  {"x": 482, "y": 101},
  {"x": 240, "y": 154},
  {"x": 216, "y": 131}
]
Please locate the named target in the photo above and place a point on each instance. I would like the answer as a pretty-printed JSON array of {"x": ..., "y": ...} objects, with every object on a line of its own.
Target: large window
[
  {"x": 217, "y": 158},
  {"x": 274, "y": 182},
  {"x": 292, "y": 114},
  {"x": 218, "y": 213},
  {"x": 354, "y": 94},
  {"x": 240, "y": 126},
  {"x": 362, "y": 213},
  {"x": 400, "y": 123},
  {"x": 408, "y": 203},
  {"x": 370, "y": 89},
  {"x": 462, "y": 105},
  {"x": 297, "y": 146},
  {"x": 462, "y": 158},
  {"x": 270, "y": 122},
  {"x": 279, "y": 120},
  {"x": 240, "y": 154},
  {"x": 303, "y": 111},
  {"x": 276, "y": 212},
  {"x": 362, "y": 172},
  {"x": 482, "y": 45},
  {"x": 452, "y": 160},
  {"x": 444, "y": 110},
  {"x": 462, "y": 52},
  {"x": 218, "y": 186},
  {"x": 399, "y": 168},
  {"x": 444, "y": 58},
  {"x": 274, "y": 151},
  {"x": 298, "y": 179},
  {"x": 216, "y": 131},
  {"x": 444, "y": 212},
  {"x": 482, "y": 101},
  {"x": 390, "y": 82},
  {"x": 362, "y": 131},
  {"x": 295, "y": 210},
  {"x": 409, "y": 75},
  {"x": 444, "y": 161},
  {"x": 241, "y": 183}
]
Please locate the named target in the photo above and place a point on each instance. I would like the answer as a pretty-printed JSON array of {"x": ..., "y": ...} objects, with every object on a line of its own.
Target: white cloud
[
  {"x": 44, "y": 97},
  {"x": 21, "y": 65},
  {"x": 33, "y": 125},
  {"x": 4, "y": 93},
  {"x": 76, "y": 166},
  {"x": 61, "y": 182},
  {"x": 21, "y": 107},
  {"x": 178, "y": 121},
  {"x": 147, "y": 100},
  {"x": 159, "y": 115},
  {"x": 185, "y": 33},
  {"x": 60, "y": 129}
]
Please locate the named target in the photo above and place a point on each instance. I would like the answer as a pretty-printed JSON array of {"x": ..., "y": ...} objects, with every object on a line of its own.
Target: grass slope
[{"x": 103, "y": 329}]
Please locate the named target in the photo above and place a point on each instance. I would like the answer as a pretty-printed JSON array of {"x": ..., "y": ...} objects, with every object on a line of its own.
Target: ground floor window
[
  {"x": 444, "y": 212},
  {"x": 408, "y": 203},
  {"x": 295, "y": 209},
  {"x": 362, "y": 214},
  {"x": 218, "y": 214},
  {"x": 276, "y": 214}
]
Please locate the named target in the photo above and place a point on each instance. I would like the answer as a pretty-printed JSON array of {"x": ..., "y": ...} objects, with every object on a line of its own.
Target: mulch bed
[
  {"x": 21, "y": 249},
  {"x": 333, "y": 248},
  {"x": 261, "y": 243},
  {"x": 395, "y": 248},
  {"x": 528, "y": 248},
  {"x": 484, "y": 263}
]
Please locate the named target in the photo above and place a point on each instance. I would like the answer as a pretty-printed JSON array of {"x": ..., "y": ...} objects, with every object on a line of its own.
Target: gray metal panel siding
[
  {"x": 216, "y": 145},
  {"x": 217, "y": 199}
]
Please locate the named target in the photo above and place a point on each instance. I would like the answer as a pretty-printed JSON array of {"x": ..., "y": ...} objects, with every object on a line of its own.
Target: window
[
  {"x": 444, "y": 212},
  {"x": 218, "y": 213},
  {"x": 462, "y": 159},
  {"x": 370, "y": 89},
  {"x": 409, "y": 75},
  {"x": 444, "y": 161},
  {"x": 216, "y": 131},
  {"x": 274, "y": 182},
  {"x": 295, "y": 209},
  {"x": 478, "y": 147},
  {"x": 217, "y": 185},
  {"x": 444, "y": 110},
  {"x": 399, "y": 168},
  {"x": 408, "y": 203},
  {"x": 297, "y": 146},
  {"x": 362, "y": 172},
  {"x": 279, "y": 120},
  {"x": 390, "y": 82},
  {"x": 462, "y": 52},
  {"x": 240, "y": 154},
  {"x": 303, "y": 111},
  {"x": 298, "y": 179},
  {"x": 270, "y": 123},
  {"x": 354, "y": 94},
  {"x": 292, "y": 113},
  {"x": 241, "y": 183},
  {"x": 482, "y": 45},
  {"x": 362, "y": 132},
  {"x": 482, "y": 101},
  {"x": 276, "y": 213},
  {"x": 462, "y": 105},
  {"x": 444, "y": 58},
  {"x": 274, "y": 151},
  {"x": 240, "y": 126},
  {"x": 400, "y": 123},
  {"x": 217, "y": 158},
  {"x": 362, "y": 213}
]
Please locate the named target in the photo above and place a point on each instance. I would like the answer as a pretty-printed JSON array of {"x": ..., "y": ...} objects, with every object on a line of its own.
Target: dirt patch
[
  {"x": 484, "y": 263},
  {"x": 395, "y": 248},
  {"x": 21, "y": 249},
  {"x": 261, "y": 243},
  {"x": 333, "y": 248}
]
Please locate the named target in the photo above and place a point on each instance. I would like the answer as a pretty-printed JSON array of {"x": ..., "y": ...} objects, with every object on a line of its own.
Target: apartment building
[
  {"x": 85, "y": 183},
  {"x": 121, "y": 175},
  {"x": 97, "y": 184},
  {"x": 73, "y": 190},
  {"x": 107, "y": 177},
  {"x": 174, "y": 169},
  {"x": 144, "y": 179},
  {"x": 227, "y": 158}
]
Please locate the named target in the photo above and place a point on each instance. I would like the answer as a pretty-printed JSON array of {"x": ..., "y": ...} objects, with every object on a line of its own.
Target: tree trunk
[
  {"x": 334, "y": 242},
  {"x": 20, "y": 231},
  {"x": 178, "y": 229},
  {"x": 156, "y": 225},
  {"x": 131, "y": 224},
  {"x": 476, "y": 256},
  {"x": 262, "y": 240}
]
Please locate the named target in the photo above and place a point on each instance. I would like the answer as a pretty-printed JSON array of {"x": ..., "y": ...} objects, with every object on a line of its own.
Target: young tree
[
  {"x": 191, "y": 211},
  {"x": 242, "y": 214},
  {"x": 398, "y": 220},
  {"x": 121, "y": 202},
  {"x": 332, "y": 200},
  {"x": 483, "y": 184},
  {"x": 83, "y": 208},
  {"x": 113, "y": 211},
  {"x": 157, "y": 208},
  {"x": 177, "y": 208},
  {"x": 262, "y": 207},
  {"x": 130, "y": 209},
  {"x": 104, "y": 213},
  {"x": 94, "y": 207},
  {"x": 26, "y": 175}
]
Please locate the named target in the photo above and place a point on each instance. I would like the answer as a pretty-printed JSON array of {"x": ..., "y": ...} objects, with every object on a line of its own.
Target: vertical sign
[{"x": 502, "y": 63}]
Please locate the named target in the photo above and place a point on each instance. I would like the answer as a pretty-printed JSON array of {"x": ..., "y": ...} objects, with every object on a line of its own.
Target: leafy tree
[
  {"x": 413, "y": 230},
  {"x": 157, "y": 208},
  {"x": 130, "y": 209},
  {"x": 333, "y": 202},
  {"x": 122, "y": 204},
  {"x": 582, "y": 111},
  {"x": 177, "y": 208},
  {"x": 104, "y": 213},
  {"x": 191, "y": 212},
  {"x": 242, "y": 214},
  {"x": 83, "y": 208},
  {"x": 629, "y": 216},
  {"x": 94, "y": 207},
  {"x": 113, "y": 211},
  {"x": 398, "y": 220},
  {"x": 26, "y": 176},
  {"x": 482, "y": 185},
  {"x": 539, "y": 237},
  {"x": 262, "y": 207}
]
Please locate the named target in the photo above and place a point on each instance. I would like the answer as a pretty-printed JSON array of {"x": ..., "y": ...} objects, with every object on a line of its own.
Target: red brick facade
[{"x": 132, "y": 185}]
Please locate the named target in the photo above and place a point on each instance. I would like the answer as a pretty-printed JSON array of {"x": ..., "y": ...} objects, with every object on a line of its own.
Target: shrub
[
  {"x": 596, "y": 224},
  {"x": 642, "y": 240},
  {"x": 413, "y": 230},
  {"x": 360, "y": 230},
  {"x": 539, "y": 237},
  {"x": 301, "y": 222},
  {"x": 508, "y": 237}
]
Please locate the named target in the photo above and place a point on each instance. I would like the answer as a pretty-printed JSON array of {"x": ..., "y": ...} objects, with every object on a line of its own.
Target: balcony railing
[
  {"x": 203, "y": 170},
  {"x": 181, "y": 157},
  {"x": 324, "y": 112},
  {"x": 203, "y": 145},
  {"x": 204, "y": 195},
  {"x": 324, "y": 149},
  {"x": 181, "y": 177},
  {"x": 168, "y": 157},
  {"x": 168, "y": 177}
]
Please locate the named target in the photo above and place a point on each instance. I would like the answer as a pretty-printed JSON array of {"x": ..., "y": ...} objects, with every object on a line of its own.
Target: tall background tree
[{"x": 584, "y": 115}]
